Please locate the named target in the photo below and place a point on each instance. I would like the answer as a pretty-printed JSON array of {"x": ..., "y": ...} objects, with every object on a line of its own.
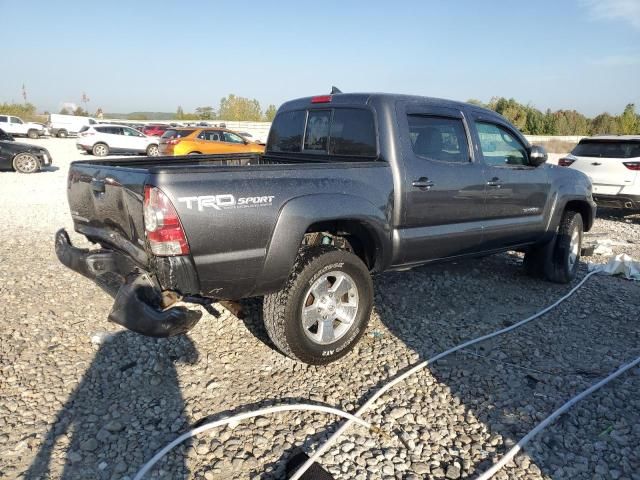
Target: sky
[{"x": 153, "y": 55}]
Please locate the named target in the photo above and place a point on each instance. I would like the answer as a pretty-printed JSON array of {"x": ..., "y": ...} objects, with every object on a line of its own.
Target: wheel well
[
  {"x": 584, "y": 210},
  {"x": 350, "y": 235}
]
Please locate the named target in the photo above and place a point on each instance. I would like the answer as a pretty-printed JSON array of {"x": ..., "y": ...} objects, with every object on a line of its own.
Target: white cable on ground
[
  {"x": 325, "y": 446},
  {"x": 545, "y": 423},
  {"x": 243, "y": 416}
]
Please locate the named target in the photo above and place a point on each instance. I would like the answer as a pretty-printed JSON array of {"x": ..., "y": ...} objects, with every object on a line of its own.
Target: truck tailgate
[{"x": 107, "y": 206}]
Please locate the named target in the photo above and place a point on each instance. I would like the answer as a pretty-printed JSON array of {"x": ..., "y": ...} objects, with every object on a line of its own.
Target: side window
[
  {"x": 16, "y": 120},
  {"x": 130, "y": 132},
  {"x": 286, "y": 132},
  {"x": 232, "y": 137},
  {"x": 210, "y": 135},
  {"x": 499, "y": 147},
  {"x": 317, "y": 134},
  {"x": 439, "y": 138},
  {"x": 3, "y": 119},
  {"x": 353, "y": 132},
  {"x": 92, "y": 121}
]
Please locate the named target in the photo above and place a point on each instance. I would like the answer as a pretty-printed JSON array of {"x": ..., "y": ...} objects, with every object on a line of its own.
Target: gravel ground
[{"x": 77, "y": 403}]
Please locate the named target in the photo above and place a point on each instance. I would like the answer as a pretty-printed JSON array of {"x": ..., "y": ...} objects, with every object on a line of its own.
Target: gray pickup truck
[{"x": 349, "y": 185}]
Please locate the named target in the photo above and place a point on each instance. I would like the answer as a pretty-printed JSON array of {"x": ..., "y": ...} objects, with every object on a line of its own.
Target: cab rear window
[
  {"x": 172, "y": 133},
  {"x": 344, "y": 132},
  {"x": 607, "y": 149}
]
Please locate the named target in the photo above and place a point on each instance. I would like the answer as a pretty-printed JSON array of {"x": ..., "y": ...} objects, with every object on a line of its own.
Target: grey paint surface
[{"x": 246, "y": 250}]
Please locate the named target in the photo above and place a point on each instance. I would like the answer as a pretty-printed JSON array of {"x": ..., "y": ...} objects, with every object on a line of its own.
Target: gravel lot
[{"x": 78, "y": 405}]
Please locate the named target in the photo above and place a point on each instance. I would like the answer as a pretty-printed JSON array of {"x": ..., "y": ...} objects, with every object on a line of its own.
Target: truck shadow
[{"x": 92, "y": 426}]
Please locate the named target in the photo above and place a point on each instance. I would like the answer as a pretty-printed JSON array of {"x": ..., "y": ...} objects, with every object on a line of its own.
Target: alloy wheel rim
[
  {"x": 330, "y": 307},
  {"x": 26, "y": 163}
]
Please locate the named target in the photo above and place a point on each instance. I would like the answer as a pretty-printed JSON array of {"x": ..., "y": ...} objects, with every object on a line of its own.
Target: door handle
[
  {"x": 494, "y": 182},
  {"x": 97, "y": 185},
  {"x": 423, "y": 183}
]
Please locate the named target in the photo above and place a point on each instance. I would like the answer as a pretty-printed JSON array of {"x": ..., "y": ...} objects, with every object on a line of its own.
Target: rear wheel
[
  {"x": 152, "y": 151},
  {"x": 324, "y": 308},
  {"x": 195, "y": 153},
  {"x": 33, "y": 133},
  {"x": 100, "y": 150},
  {"x": 26, "y": 163},
  {"x": 62, "y": 134}
]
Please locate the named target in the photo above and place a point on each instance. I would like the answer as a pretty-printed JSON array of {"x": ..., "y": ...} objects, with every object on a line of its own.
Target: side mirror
[{"x": 537, "y": 155}]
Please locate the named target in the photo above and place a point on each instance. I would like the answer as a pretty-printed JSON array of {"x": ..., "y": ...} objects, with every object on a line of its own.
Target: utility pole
[
  {"x": 24, "y": 93},
  {"x": 85, "y": 100}
]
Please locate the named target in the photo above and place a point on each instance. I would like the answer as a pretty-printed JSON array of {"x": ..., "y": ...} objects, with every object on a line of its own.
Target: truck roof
[{"x": 366, "y": 98}]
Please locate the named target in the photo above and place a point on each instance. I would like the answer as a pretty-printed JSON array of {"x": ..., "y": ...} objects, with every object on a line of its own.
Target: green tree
[
  {"x": 605, "y": 124},
  {"x": 239, "y": 108},
  {"x": 629, "y": 120},
  {"x": 179, "y": 113},
  {"x": 64, "y": 111},
  {"x": 138, "y": 116},
  {"x": 205, "y": 113},
  {"x": 80, "y": 112},
  {"x": 270, "y": 113},
  {"x": 26, "y": 111}
]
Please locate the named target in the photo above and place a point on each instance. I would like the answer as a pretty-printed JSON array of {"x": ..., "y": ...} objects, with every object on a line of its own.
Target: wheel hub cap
[
  {"x": 574, "y": 248},
  {"x": 330, "y": 307}
]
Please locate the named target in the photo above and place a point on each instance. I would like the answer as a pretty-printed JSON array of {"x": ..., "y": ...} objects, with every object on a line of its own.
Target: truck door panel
[
  {"x": 517, "y": 193},
  {"x": 443, "y": 185}
]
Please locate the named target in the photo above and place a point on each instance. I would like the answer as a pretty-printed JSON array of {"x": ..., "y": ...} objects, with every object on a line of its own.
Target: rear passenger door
[
  {"x": 444, "y": 185},
  {"x": 517, "y": 192}
]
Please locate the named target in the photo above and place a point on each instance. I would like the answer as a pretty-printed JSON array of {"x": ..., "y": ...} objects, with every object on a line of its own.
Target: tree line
[
  {"x": 528, "y": 119},
  {"x": 232, "y": 108},
  {"x": 532, "y": 121}
]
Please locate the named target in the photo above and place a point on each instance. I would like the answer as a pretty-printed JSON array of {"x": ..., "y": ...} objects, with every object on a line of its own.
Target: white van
[{"x": 65, "y": 125}]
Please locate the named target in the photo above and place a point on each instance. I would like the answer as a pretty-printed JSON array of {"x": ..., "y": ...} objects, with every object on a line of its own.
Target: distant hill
[{"x": 142, "y": 115}]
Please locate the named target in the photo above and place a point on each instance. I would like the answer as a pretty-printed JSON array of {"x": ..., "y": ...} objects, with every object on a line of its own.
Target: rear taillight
[
  {"x": 565, "y": 162},
  {"x": 161, "y": 222},
  {"x": 174, "y": 141},
  {"x": 632, "y": 166}
]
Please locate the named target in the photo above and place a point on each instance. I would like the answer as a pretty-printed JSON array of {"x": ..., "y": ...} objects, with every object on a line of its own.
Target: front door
[
  {"x": 443, "y": 185},
  {"x": 517, "y": 192}
]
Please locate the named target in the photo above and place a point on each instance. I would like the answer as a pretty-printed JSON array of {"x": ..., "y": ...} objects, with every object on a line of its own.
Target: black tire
[
  {"x": 153, "y": 151},
  {"x": 552, "y": 260},
  {"x": 26, "y": 163},
  {"x": 283, "y": 310},
  {"x": 33, "y": 133},
  {"x": 62, "y": 134},
  {"x": 194, "y": 153},
  {"x": 100, "y": 150},
  {"x": 565, "y": 256}
]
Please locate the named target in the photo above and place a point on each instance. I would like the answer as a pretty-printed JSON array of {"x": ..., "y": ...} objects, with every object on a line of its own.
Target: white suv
[
  {"x": 613, "y": 165},
  {"x": 16, "y": 126},
  {"x": 104, "y": 139}
]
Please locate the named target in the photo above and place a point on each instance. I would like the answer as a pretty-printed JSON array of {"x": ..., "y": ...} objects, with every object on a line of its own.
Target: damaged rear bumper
[{"x": 138, "y": 297}]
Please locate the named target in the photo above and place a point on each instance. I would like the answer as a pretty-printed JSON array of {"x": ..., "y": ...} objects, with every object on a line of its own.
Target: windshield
[{"x": 608, "y": 148}]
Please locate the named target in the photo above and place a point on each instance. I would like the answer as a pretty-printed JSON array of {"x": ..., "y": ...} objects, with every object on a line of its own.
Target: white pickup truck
[{"x": 17, "y": 127}]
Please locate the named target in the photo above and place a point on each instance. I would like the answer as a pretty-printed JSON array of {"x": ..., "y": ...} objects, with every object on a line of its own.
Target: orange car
[{"x": 188, "y": 141}]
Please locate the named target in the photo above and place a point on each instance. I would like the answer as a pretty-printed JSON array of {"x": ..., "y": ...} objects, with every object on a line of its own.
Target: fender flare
[{"x": 299, "y": 213}]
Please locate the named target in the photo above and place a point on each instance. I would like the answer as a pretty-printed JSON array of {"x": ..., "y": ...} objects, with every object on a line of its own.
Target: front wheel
[
  {"x": 32, "y": 133},
  {"x": 62, "y": 134},
  {"x": 323, "y": 309},
  {"x": 558, "y": 260},
  {"x": 26, "y": 163},
  {"x": 152, "y": 151}
]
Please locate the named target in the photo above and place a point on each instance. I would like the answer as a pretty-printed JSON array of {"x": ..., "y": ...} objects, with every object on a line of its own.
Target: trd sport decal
[{"x": 226, "y": 201}]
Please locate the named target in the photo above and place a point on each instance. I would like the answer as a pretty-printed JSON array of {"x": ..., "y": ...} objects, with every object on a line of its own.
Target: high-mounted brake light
[
  {"x": 161, "y": 222},
  {"x": 321, "y": 99},
  {"x": 565, "y": 162},
  {"x": 632, "y": 166}
]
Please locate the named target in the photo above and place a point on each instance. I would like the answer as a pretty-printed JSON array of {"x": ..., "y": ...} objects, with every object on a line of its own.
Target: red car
[{"x": 155, "y": 130}]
